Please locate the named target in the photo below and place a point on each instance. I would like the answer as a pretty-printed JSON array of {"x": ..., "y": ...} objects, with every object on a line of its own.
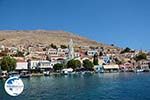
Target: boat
[
  {"x": 13, "y": 74},
  {"x": 46, "y": 73},
  {"x": 25, "y": 74},
  {"x": 146, "y": 70},
  {"x": 67, "y": 71},
  {"x": 139, "y": 70},
  {"x": 4, "y": 75}
]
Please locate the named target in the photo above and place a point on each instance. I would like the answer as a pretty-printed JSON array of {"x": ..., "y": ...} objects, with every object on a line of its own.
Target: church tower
[{"x": 71, "y": 50}]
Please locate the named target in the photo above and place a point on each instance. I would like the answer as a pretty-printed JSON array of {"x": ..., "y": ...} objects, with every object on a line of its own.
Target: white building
[
  {"x": 42, "y": 64},
  {"x": 92, "y": 52},
  {"x": 111, "y": 68},
  {"x": 46, "y": 64},
  {"x": 21, "y": 66},
  {"x": 2, "y": 48}
]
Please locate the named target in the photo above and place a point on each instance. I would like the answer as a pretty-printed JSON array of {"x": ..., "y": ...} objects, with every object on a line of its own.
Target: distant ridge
[{"x": 45, "y": 37}]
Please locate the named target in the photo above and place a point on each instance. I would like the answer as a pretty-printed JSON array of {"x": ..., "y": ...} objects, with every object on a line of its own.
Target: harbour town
[
  {"x": 74, "y": 49},
  {"x": 36, "y": 60}
]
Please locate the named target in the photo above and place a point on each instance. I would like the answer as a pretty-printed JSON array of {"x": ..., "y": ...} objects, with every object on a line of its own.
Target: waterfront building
[
  {"x": 22, "y": 65},
  {"x": 143, "y": 64},
  {"x": 127, "y": 67},
  {"x": 111, "y": 68},
  {"x": 45, "y": 64},
  {"x": 36, "y": 64}
]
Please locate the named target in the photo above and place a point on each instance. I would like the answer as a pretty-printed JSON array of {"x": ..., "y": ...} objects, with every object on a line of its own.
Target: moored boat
[
  {"x": 46, "y": 73},
  {"x": 67, "y": 71},
  {"x": 13, "y": 74},
  {"x": 25, "y": 74},
  {"x": 139, "y": 70},
  {"x": 3, "y": 75}
]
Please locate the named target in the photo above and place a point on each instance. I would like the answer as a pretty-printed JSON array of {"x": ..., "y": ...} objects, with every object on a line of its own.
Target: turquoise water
[{"x": 110, "y": 86}]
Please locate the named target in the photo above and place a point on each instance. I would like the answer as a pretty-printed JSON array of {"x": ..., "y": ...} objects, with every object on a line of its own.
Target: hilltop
[{"x": 23, "y": 37}]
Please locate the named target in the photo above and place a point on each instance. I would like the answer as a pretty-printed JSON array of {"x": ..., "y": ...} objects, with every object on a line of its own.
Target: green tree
[
  {"x": 140, "y": 56},
  {"x": 57, "y": 66},
  {"x": 8, "y": 63},
  {"x": 112, "y": 44},
  {"x": 100, "y": 53},
  {"x": 95, "y": 59},
  {"x": 118, "y": 61},
  {"x": 74, "y": 64},
  {"x": 63, "y": 46},
  {"x": 87, "y": 64},
  {"x": 77, "y": 63},
  {"x": 53, "y": 46},
  {"x": 127, "y": 49},
  {"x": 19, "y": 54}
]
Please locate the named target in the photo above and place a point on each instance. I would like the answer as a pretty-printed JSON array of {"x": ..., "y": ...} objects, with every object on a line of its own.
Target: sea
[{"x": 106, "y": 86}]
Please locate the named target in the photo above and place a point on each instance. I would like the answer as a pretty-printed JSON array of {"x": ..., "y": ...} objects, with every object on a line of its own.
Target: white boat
[
  {"x": 139, "y": 70},
  {"x": 4, "y": 74},
  {"x": 67, "y": 71},
  {"x": 13, "y": 74},
  {"x": 25, "y": 74},
  {"x": 46, "y": 73}
]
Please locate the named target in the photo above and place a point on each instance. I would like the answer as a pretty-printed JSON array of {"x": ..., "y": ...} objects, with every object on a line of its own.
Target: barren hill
[{"x": 13, "y": 37}]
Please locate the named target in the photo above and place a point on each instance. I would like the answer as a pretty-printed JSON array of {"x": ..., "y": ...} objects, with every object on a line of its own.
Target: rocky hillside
[{"x": 43, "y": 37}]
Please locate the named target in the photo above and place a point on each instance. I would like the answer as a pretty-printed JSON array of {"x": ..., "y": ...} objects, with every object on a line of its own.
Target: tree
[
  {"x": 127, "y": 49},
  {"x": 87, "y": 64},
  {"x": 100, "y": 53},
  {"x": 57, "y": 66},
  {"x": 19, "y": 54},
  {"x": 117, "y": 61},
  {"x": 77, "y": 63},
  {"x": 63, "y": 46},
  {"x": 140, "y": 56},
  {"x": 53, "y": 46},
  {"x": 70, "y": 63},
  {"x": 112, "y": 44},
  {"x": 29, "y": 64},
  {"x": 74, "y": 64},
  {"x": 95, "y": 59},
  {"x": 8, "y": 63}
]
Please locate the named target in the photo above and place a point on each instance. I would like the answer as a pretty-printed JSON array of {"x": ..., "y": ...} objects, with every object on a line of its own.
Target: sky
[{"x": 125, "y": 23}]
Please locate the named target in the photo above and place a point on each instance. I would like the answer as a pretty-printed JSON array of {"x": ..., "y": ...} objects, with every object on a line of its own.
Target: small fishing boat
[
  {"x": 139, "y": 70},
  {"x": 25, "y": 74},
  {"x": 67, "y": 71},
  {"x": 13, "y": 74},
  {"x": 46, "y": 73},
  {"x": 4, "y": 75}
]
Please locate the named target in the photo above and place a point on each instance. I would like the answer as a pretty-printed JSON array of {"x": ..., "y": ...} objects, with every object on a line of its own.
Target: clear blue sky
[{"x": 121, "y": 22}]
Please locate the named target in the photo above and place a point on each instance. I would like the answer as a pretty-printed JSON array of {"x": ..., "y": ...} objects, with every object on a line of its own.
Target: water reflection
[{"x": 107, "y": 86}]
